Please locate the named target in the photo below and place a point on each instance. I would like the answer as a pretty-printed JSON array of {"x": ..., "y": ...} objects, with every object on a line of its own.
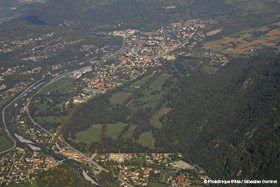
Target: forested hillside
[{"x": 228, "y": 122}]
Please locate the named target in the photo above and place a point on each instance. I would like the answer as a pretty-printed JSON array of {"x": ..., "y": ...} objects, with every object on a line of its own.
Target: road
[{"x": 8, "y": 105}]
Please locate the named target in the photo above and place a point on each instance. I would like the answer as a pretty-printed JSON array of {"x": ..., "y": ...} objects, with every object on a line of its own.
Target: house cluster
[
  {"x": 10, "y": 46},
  {"x": 216, "y": 58},
  {"x": 136, "y": 176},
  {"x": 19, "y": 165},
  {"x": 70, "y": 153},
  {"x": 135, "y": 169},
  {"x": 28, "y": 132}
]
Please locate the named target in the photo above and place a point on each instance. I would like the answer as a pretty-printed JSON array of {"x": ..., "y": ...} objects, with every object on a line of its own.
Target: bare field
[{"x": 246, "y": 41}]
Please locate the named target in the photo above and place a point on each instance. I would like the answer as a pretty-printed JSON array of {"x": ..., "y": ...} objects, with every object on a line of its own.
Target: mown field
[
  {"x": 114, "y": 130},
  {"x": 157, "y": 84},
  {"x": 89, "y": 136},
  {"x": 146, "y": 139},
  {"x": 64, "y": 84},
  {"x": 129, "y": 132},
  {"x": 119, "y": 97},
  {"x": 155, "y": 119}
]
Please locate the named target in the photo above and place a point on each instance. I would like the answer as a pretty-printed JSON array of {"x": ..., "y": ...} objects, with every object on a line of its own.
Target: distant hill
[
  {"x": 14, "y": 8},
  {"x": 148, "y": 13}
]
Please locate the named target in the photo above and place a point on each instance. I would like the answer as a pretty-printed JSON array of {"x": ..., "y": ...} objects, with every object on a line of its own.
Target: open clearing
[
  {"x": 129, "y": 132},
  {"x": 141, "y": 81},
  {"x": 209, "y": 69},
  {"x": 146, "y": 139},
  {"x": 150, "y": 99},
  {"x": 114, "y": 130},
  {"x": 155, "y": 119},
  {"x": 5, "y": 143},
  {"x": 119, "y": 98},
  {"x": 157, "y": 84},
  {"x": 64, "y": 84},
  {"x": 89, "y": 136}
]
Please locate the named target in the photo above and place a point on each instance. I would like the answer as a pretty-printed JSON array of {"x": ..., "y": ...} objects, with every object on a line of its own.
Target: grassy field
[
  {"x": 157, "y": 184},
  {"x": 50, "y": 119},
  {"x": 157, "y": 84},
  {"x": 91, "y": 135},
  {"x": 138, "y": 83},
  {"x": 210, "y": 69},
  {"x": 64, "y": 84},
  {"x": 155, "y": 119},
  {"x": 149, "y": 99},
  {"x": 5, "y": 100},
  {"x": 141, "y": 81},
  {"x": 129, "y": 132},
  {"x": 114, "y": 130},
  {"x": 146, "y": 139},
  {"x": 5, "y": 143},
  {"x": 119, "y": 98}
]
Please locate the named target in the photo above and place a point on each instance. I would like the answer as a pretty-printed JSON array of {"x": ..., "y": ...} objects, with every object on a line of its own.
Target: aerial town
[{"x": 141, "y": 50}]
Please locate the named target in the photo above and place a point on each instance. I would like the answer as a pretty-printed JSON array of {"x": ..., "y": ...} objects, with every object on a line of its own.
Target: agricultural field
[
  {"x": 129, "y": 132},
  {"x": 89, "y": 136},
  {"x": 247, "y": 40},
  {"x": 119, "y": 98},
  {"x": 146, "y": 139},
  {"x": 155, "y": 119},
  {"x": 64, "y": 84},
  {"x": 114, "y": 130},
  {"x": 5, "y": 143}
]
